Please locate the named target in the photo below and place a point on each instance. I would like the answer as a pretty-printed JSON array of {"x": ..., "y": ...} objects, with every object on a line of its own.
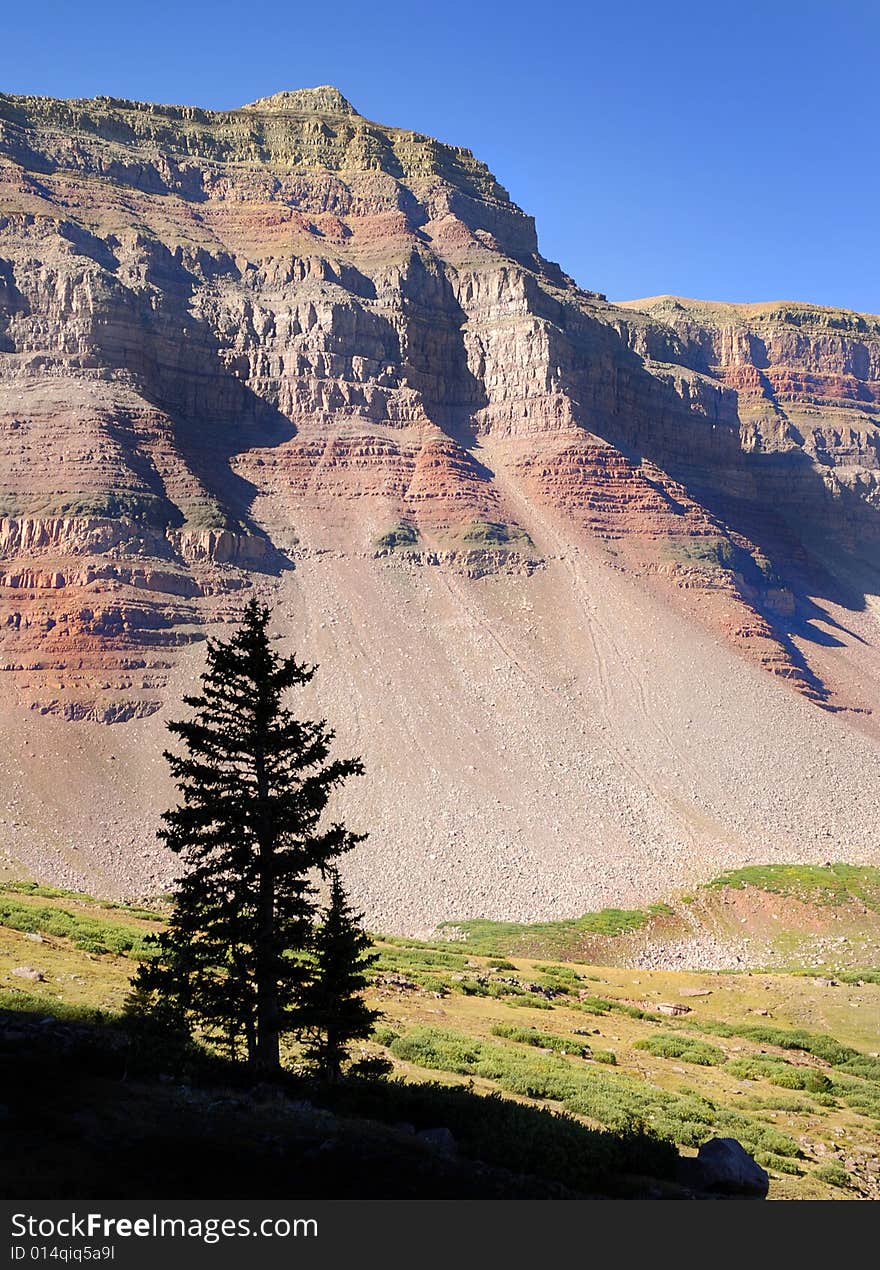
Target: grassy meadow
[{"x": 785, "y": 1062}]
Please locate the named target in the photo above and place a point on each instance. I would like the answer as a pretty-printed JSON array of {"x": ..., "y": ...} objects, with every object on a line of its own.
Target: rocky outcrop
[
  {"x": 231, "y": 338},
  {"x": 807, "y": 385}
]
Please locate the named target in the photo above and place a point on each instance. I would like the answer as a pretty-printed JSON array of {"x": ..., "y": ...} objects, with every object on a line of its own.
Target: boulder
[{"x": 724, "y": 1165}]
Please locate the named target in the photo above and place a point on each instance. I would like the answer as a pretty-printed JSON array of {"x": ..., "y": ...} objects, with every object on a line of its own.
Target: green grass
[
  {"x": 542, "y": 1040},
  {"x": 833, "y": 1174},
  {"x": 831, "y": 885},
  {"x": 405, "y": 959},
  {"x": 400, "y": 535},
  {"x": 560, "y": 939},
  {"x": 55, "y": 893},
  {"x": 29, "y": 1003},
  {"x": 207, "y": 513},
  {"x": 47, "y": 892},
  {"x": 604, "y": 1005},
  {"x": 104, "y": 505},
  {"x": 486, "y": 533},
  {"x": 617, "y": 1101},
  {"x": 609, "y": 1088},
  {"x": 780, "y": 1073},
  {"x": 819, "y": 1044},
  {"x": 682, "y": 1047},
  {"x": 88, "y": 934},
  {"x": 702, "y": 553}
]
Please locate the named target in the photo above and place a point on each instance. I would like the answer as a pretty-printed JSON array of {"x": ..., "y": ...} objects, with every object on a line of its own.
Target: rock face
[
  {"x": 807, "y": 383},
  {"x": 287, "y": 349}
]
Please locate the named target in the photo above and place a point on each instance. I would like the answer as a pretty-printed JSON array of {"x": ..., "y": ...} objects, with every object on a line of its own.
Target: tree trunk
[
  {"x": 267, "y": 1059},
  {"x": 251, "y": 1038},
  {"x": 332, "y": 1064}
]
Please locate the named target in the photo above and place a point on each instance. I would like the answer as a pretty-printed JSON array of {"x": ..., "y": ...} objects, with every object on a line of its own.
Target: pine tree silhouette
[
  {"x": 335, "y": 1011},
  {"x": 254, "y": 783}
]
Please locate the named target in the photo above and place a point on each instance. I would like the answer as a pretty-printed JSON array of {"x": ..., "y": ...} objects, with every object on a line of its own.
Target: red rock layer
[{"x": 230, "y": 338}]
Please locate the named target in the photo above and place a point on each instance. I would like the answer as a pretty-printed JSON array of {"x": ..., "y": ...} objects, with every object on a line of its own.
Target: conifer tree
[
  {"x": 334, "y": 1009},
  {"x": 254, "y": 783}
]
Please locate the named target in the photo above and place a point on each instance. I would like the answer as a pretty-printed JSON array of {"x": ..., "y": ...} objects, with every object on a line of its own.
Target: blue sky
[{"x": 718, "y": 150}]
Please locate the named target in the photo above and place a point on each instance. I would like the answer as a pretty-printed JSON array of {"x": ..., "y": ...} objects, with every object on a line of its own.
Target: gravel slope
[{"x": 535, "y": 747}]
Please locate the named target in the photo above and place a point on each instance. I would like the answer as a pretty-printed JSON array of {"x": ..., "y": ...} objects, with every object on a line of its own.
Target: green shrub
[
  {"x": 780, "y": 1073},
  {"x": 778, "y": 1102},
  {"x": 86, "y": 933},
  {"x": 684, "y": 1048},
  {"x": 710, "y": 552},
  {"x": 605, "y": 1056},
  {"x": 819, "y": 1044},
  {"x": 781, "y": 1163},
  {"x": 400, "y": 535},
  {"x": 862, "y": 1065},
  {"x": 832, "y": 1173},
  {"x": 635, "y": 1012},
  {"x": 403, "y": 959},
  {"x": 616, "y": 1100},
  {"x": 603, "y": 1005},
  {"x": 385, "y": 1035},
  {"x": 552, "y": 939},
  {"x": 857, "y": 976},
  {"x": 833, "y": 884},
  {"x": 37, "y": 888},
  {"x": 485, "y": 533},
  {"x": 472, "y": 987},
  {"x": 824, "y": 1100},
  {"x": 860, "y": 1095},
  {"x": 431, "y": 983},
  {"x": 207, "y": 513},
  {"x": 107, "y": 505},
  {"x": 543, "y": 1040},
  {"x": 562, "y": 974},
  {"x": 801, "y": 1078},
  {"x": 594, "y": 1005}
]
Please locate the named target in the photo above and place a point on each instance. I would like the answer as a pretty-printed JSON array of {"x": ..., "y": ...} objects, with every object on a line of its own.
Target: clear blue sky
[{"x": 718, "y": 150}]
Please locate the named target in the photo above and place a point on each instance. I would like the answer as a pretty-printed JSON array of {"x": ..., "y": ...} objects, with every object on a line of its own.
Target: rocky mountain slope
[{"x": 588, "y": 583}]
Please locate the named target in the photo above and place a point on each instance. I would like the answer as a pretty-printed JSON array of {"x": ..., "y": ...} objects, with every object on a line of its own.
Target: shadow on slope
[
  {"x": 821, "y": 544},
  {"x": 94, "y": 1108}
]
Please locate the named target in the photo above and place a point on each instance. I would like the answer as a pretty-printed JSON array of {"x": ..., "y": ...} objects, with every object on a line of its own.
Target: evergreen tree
[
  {"x": 334, "y": 1008},
  {"x": 254, "y": 783}
]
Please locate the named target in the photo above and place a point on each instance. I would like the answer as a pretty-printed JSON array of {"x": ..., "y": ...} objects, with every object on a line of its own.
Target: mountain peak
[{"x": 323, "y": 100}]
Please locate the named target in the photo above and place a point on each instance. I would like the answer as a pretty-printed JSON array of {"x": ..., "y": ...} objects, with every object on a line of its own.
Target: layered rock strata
[{"x": 255, "y": 349}]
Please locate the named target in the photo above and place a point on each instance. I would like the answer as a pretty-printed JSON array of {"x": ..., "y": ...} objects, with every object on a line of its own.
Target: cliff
[{"x": 290, "y": 349}]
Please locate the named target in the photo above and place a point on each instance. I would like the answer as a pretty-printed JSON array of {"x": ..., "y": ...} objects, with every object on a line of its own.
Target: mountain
[{"x": 593, "y": 587}]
